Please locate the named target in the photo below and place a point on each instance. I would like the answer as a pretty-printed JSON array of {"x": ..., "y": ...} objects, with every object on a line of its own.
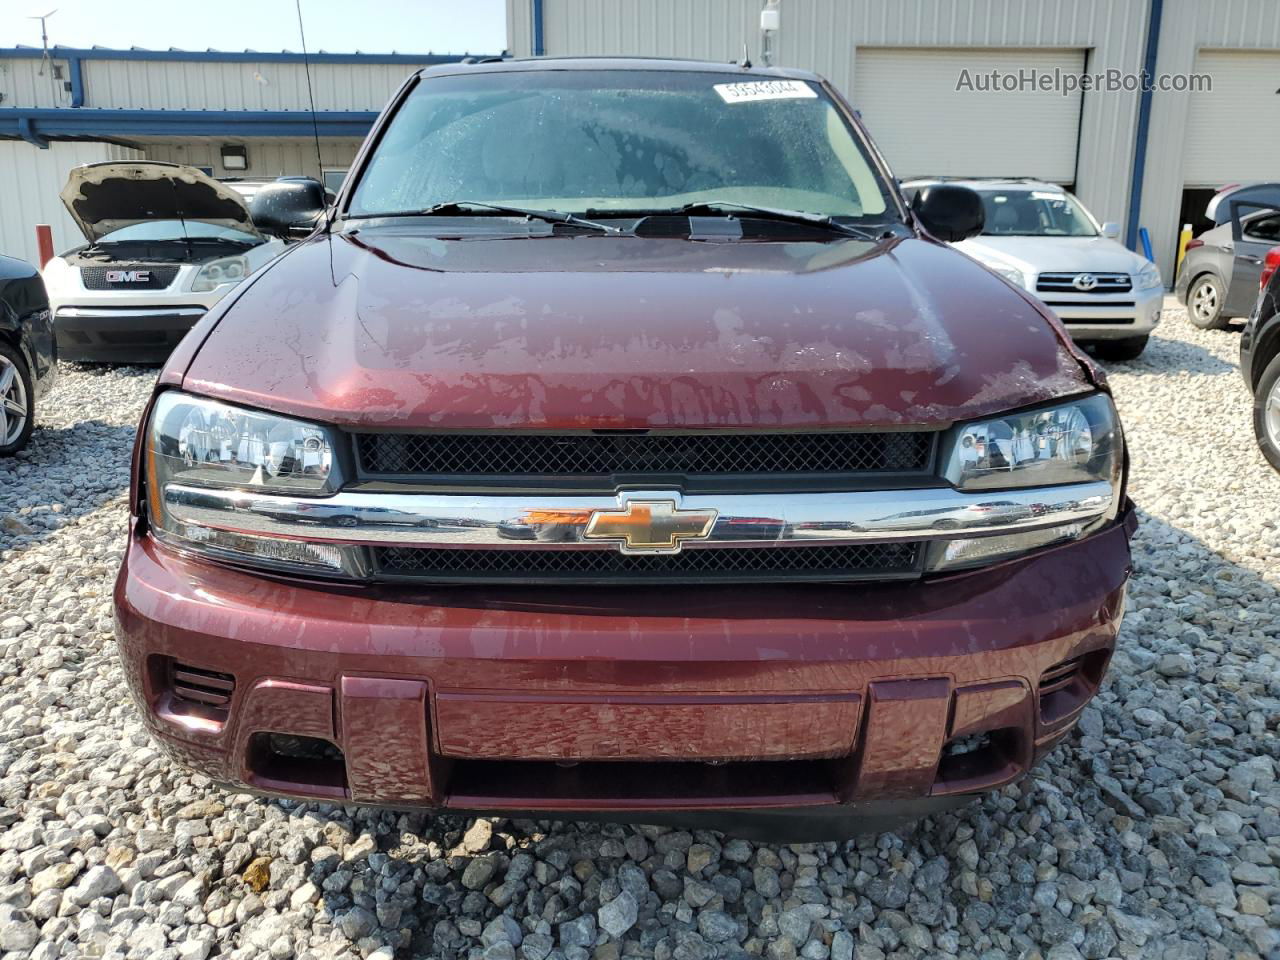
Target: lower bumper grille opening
[
  {"x": 302, "y": 764},
  {"x": 621, "y": 785},
  {"x": 204, "y": 693},
  {"x": 980, "y": 761},
  {"x": 1067, "y": 686},
  {"x": 548, "y": 564}
]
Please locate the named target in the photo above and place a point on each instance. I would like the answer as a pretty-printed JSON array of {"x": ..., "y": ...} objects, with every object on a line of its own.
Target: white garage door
[
  {"x": 926, "y": 127},
  {"x": 1233, "y": 130}
]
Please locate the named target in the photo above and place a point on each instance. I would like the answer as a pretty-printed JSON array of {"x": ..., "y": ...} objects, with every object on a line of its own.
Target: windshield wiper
[
  {"x": 713, "y": 207},
  {"x": 722, "y": 208},
  {"x": 467, "y": 208}
]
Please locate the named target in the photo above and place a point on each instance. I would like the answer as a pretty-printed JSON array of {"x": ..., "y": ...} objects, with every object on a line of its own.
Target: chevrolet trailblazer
[{"x": 623, "y": 444}]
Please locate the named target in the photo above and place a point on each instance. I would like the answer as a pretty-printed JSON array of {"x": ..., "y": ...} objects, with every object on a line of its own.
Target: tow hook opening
[
  {"x": 306, "y": 764},
  {"x": 978, "y": 761}
]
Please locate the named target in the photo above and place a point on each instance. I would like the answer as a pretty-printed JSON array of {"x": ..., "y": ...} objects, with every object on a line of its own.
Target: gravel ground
[{"x": 1154, "y": 832}]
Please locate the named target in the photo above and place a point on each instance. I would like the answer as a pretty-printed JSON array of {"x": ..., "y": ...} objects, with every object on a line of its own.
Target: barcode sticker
[{"x": 764, "y": 90}]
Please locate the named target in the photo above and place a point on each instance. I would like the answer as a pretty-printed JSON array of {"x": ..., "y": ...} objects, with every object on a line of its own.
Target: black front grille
[
  {"x": 128, "y": 276},
  {"x": 612, "y": 454},
  {"x": 733, "y": 564}
]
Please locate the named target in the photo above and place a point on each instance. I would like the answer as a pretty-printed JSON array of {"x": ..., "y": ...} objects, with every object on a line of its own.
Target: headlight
[
  {"x": 1072, "y": 442},
  {"x": 217, "y": 272},
  {"x": 1012, "y": 274},
  {"x": 194, "y": 443},
  {"x": 1079, "y": 442},
  {"x": 1147, "y": 278}
]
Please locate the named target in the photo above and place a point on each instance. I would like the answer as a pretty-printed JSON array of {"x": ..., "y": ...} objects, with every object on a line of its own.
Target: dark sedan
[
  {"x": 28, "y": 355},
  {"x": 1260, "y": 359}
]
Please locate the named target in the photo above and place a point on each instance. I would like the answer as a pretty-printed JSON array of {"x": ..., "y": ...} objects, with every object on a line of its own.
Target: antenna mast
[
  {"x": 306, "y": 63},
  {"x": 44, "y": 39}
]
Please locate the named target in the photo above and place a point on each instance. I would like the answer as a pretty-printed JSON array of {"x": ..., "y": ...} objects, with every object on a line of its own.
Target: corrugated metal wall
[
  {"x": 703, "y": 30},
  {"x": 196, "y": 85},
  {"x": 520, "y": 27},
  {"x": 1188, "y": 27},
  {"x": 29, "y": 191},
  {"x": 287, "y": 156},
  {"x": 22, "y": 84},
  {"x": 825, "y": 35}
]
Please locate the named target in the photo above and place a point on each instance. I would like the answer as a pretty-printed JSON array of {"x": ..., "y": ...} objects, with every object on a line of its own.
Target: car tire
[
  {"x": 1130, "y": 348},
  {"x": 17, "y": 401},
  {"x": 1205, "y": 297},
  {"x": 1266, "y": 412}
]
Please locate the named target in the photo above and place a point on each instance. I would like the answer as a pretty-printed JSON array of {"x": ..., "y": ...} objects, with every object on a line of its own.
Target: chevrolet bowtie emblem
[{"x": 650, "y": 526}]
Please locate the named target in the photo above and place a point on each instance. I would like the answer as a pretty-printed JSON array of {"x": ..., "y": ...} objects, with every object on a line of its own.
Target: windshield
[
  {"x": 1034, "y": 213},
  {"x": 578, "y": 141},
  {"x": 154, "y": 230}
]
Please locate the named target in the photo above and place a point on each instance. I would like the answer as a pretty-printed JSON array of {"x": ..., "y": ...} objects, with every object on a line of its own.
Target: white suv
[
  {"x": 164, "y": 244},
  {"x": 1041, "y": 238}
]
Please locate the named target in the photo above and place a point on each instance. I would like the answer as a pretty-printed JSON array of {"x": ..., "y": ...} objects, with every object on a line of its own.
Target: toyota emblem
[{"x": 1084, "y": 282}]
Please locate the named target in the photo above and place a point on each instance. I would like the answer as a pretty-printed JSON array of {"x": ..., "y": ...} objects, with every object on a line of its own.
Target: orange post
[{"x": 44, "y": 242}]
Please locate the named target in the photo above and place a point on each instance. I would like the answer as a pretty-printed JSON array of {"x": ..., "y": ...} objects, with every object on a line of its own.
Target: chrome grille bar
[{"x": 440, "y": 520}]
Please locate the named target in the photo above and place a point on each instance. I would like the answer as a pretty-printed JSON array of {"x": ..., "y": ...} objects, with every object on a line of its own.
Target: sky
[{"x": 338, "y": 26}]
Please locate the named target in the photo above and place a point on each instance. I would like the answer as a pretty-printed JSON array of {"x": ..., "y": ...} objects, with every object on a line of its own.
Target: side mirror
[
  {"x": 288, "y": 208},
  {"x": 949, "y": 212},
  {"x": 1111, "y": 229}
]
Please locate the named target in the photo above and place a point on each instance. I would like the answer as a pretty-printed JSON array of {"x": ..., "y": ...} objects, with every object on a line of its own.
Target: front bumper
[
  {"x": 1107, "y": 317},
  {"x": 643, "y": 703},
  {"x": 123, "y": 334}
]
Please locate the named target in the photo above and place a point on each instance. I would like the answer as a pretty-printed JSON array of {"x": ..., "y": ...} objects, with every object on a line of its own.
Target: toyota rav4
[{"x": 622, "y": 443}]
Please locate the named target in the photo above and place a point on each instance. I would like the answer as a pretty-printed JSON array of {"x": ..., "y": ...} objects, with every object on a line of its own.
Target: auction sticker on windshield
[{"x": 765, "y": 90}]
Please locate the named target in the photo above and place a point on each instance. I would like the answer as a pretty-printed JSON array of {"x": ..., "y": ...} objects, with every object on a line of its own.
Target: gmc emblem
[{"x": 128, "y": 276}]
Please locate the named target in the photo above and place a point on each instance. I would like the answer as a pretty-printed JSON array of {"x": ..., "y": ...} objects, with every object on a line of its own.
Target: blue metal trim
[
  {"x": 232, "y": 56},
  {"x": 27, "y": 130},
  {"x": 94, "y": 122},
  {"x": 1145, "y": 237},
  {"x": 75, "y": 67},
  {"x": 1144, "y": 124},
  {"x": 539, "y": 47}
]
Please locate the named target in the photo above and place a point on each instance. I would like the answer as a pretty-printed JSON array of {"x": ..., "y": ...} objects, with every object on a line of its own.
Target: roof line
[
  {"x": 22, "y": 52},
  {"x": 101, "y": 123}
]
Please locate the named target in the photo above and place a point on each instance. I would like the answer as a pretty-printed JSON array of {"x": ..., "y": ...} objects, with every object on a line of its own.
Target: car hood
[
  {"x": 1033, "y": 255},
  {"x": 102, "y": 197},
  {"x": 623, "y": 332}
]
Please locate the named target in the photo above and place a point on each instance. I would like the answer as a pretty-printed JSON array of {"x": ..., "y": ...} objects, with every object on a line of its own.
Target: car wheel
[
  {"x": 1266, "y": 412},
  {"x": 1130, "y": 348},
  {"x": 1204, "y": 303},
  {"x": 17, "y": 413}
]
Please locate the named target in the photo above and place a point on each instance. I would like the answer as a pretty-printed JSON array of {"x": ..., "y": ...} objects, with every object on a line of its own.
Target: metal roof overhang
[{"x": 37, "y": 125}]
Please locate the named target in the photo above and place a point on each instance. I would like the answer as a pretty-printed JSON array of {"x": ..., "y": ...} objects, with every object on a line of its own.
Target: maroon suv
[{"x": 622, "y": 443}]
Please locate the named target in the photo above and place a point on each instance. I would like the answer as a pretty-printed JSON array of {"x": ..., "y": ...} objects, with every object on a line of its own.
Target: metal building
[
  {"x": 1143, "y": 159},
  {"x": 244, "y": 114}
]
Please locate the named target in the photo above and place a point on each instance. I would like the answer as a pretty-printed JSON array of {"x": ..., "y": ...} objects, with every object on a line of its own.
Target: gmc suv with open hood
[
  {"x": 164, "y": 244},
  {"x": 623, "y": 444}
]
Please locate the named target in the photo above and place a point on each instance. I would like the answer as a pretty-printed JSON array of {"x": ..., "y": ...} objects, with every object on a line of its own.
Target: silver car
[{"x": 1220, "y": 274}]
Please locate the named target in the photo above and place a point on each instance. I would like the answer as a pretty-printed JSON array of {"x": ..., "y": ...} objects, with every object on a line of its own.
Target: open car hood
[{"x": 104, "y": 197}]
